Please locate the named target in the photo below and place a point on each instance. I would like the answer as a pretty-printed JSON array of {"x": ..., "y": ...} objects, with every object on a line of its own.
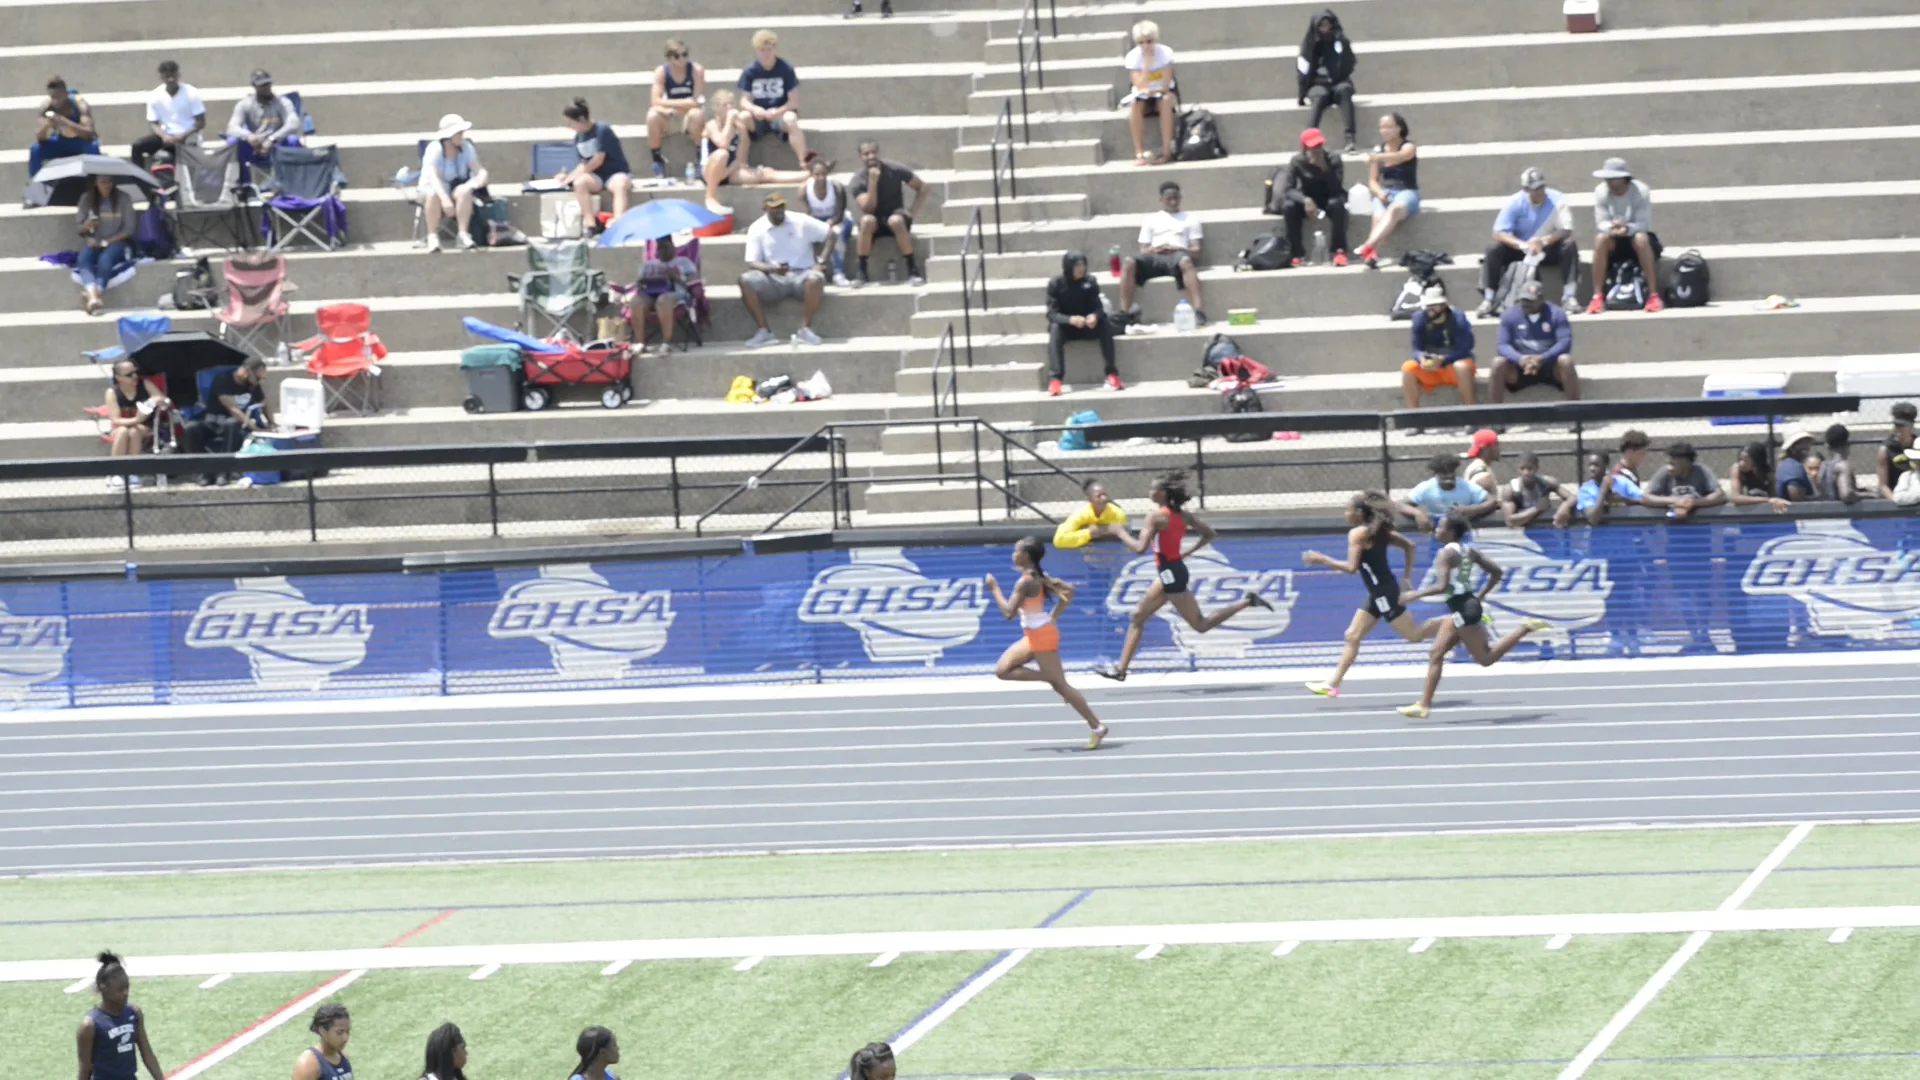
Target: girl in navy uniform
[
  {"x": 114, "y": 1030},
  {"x": 327, "y": 1059}
]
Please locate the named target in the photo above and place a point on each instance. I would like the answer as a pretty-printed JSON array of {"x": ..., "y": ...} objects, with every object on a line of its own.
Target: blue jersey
[
  {"x": 116, "y": 1043},
  {"x": 330, "y": 1071}
]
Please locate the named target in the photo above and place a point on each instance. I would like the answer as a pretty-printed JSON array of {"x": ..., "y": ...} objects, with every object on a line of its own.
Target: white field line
[
  {"x": 1421, "y": 945},
  {"x": 1840, "y": 936},
  {"x": 1558, "y": 942},
  {"x": 1696, "y": 940},
  {"x": 967, "y": 992},
  {"x": 616, "y": 967},
  {"x": 265, "y": 1027},
  {"x": 749, "y": 963},
  {"x": 885, "y": 958},
  {"x": 992, "y": 941},
  {"x": 216, "y": 980},
  {"x": 1149, "y": 952},
  {"x": 1285, "y": 948},
  {"x": 484, "y": 971},
  {"x": 78, "y": 985}
]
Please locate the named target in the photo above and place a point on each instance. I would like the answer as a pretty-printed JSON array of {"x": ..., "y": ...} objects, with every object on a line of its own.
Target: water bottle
[
  {"x": 1113, "y": 261},
  {"x": 1184, "y": 320},
  {"x": 691, "y": 175},
  {"x": 1321, "y": 256},
  {"x": 893, "y": 272}
]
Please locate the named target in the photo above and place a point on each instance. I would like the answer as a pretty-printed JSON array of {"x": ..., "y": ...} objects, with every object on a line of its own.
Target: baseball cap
[
  {"x": 1532, "y": 290},
  {"x": 261, "y": 78},
  {"x": 1532, "y": 179},
  {"x": 1482, "y": 439},
  {"x": 1434, "y": 295},
  {"x": 1311, "y": 138},
  {"x": 1614, "y": 169},
  {"x": 773, "y": 200}
]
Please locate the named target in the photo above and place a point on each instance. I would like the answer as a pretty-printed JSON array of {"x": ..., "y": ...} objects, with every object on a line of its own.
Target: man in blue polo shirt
[
  {"x": 1537, "y": 225},
  {"x": 1444, "y": 491},
  {"x": 770, "y": 92}
]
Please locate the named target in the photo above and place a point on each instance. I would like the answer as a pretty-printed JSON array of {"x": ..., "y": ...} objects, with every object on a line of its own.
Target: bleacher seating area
[{"x": 1772, "y": 133}]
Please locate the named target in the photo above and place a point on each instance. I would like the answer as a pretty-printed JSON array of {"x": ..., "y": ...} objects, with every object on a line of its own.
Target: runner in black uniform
[
  {"x": 1465, "y": 623},
  {"x": 1368, "y": 541}
]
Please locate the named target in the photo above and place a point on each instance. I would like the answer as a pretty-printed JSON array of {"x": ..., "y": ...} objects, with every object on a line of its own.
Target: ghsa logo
[
  {"x": 33, "y": 649},
  {"x": 1569, "y": 593},
  {"x": 1848, "y": 586},
  {"x": 590, "y": 628},
  {"x": 1214, "y": 582},
  {"x": 902, "y": 616},
  {"x": 289, "y": 641}
]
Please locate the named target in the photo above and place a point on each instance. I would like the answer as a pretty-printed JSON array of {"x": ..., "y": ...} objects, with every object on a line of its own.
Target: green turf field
[{"x": 1749, "y": 1006}]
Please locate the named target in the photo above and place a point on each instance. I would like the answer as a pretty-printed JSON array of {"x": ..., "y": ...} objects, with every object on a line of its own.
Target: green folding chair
[{"x": 561, "y": 293}]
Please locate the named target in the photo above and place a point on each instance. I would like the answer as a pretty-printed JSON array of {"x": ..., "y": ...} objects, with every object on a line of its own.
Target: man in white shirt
[
  {"x": 782, "y": 265},
  {"x": 175, "y": 114},
  {"x": 1169, "y": 247}
]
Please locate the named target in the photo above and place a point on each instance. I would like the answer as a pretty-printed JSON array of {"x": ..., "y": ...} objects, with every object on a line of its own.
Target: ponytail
[
  {"x": 1376, "y": 514},
  {"x": 1035, "y": 549},
  {"x": 590, "y": 1045},
  {"x": 109, "y": 963}
]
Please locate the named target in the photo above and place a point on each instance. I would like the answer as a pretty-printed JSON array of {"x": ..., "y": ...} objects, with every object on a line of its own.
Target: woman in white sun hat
[{"x": 451, "y": 179}]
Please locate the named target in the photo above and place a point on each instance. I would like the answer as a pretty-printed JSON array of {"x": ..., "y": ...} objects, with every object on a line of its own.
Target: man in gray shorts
[{"x": 783, "y": 265}]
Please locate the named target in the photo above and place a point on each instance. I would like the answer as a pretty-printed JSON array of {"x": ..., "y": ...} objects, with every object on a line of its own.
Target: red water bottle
[{"x": 1113, "y": 262}]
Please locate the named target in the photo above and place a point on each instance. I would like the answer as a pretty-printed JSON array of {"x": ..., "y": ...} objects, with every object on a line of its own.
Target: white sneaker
[
  {"x": 116, "y": 483},
  {"x": 805, "y": 336},
  {"x": 840, "y": 282},
  {"x": 762, "y": 339},
  {"x": 916, "y": 281},
  {"x": 466, "y": 242},
  {"x": 433, "y": 244}
]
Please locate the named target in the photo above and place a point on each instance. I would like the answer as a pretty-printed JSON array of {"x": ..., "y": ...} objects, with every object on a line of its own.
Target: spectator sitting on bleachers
[
  {"x": 1790, "y": 481},
  {"x": 769, "y": 89},
  {"x": 65, "y": 128},
  {"x": 1325, "y": 67},
  {"x": 106, "y": 223},
  {"x": 175, "y": 114},
  {"x": 1892, "y": 463},
  {"x": 262, "y": 121},
  {"x": 1442, "y": 351},
  {"x": 1750, "y": 480},
  {"x": 1170, "y": 245},
  {"x": 664, "y": 287},
  {"x": 725, "y": 145},
  {"x": 825, "y": 200},
  {"x": 782, "y": 265},
  {"x": 878, "y": 191},
  {"x": 1149, "y": 67},
  {"x": 130, "y": 404},
  {"x": 1834, "y": 481},
  {"x": 1529, "y": 494},
  {"x": 1535, "y": 224},
  {"x": 1442, "y": 492},
  {"x": 1316, "y": 184},
  {"x": 679, "y": 99},
  {"x": 1393, "y": 176},
  {"x": 451, "y": 178},
  {"x": 237, "y": 405},
  {"x": 1623, "y": 219},
  {"x": 603, "y": 165},
  {"x": 1536, "y": 348},
  {"x": 1075, "y": 313},
  {"x": 1682, "y": 485}
]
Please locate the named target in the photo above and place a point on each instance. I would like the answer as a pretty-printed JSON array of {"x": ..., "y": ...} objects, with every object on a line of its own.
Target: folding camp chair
[
  {"x": 300, "y": 110},
  {"x": 550, "y": 159},
  {"x": 169, "y": 428},
  {"x": 690, "y": 318},
  {"x": 408, "y": 183},
  {"x": 345, "y": 357},
  {"x": 559, "y": 287},
  {"x": 305, "y": 203},
  {"x": 135, "y": 331},
  {"x": 211, "y": 204},
  {"x": 256, "y": 286}
]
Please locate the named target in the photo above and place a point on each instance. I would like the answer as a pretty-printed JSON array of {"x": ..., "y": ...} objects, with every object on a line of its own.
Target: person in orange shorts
[
  {"x": 1442, "y": 350},
  {"x": 1039, "y": 643}
]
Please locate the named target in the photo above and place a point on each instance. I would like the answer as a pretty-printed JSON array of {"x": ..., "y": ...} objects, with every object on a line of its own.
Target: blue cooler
[
  {"x": 266, "y": 445},
  {"x": 1755, "y": 385}
]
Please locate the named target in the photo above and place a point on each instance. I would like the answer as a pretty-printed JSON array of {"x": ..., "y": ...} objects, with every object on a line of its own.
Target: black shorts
[
  {"x": 1383, "y": 601},
  {"x": 1548, "y": 375},
  {"x": 1147, "y": 267},
  {"x": 1466, "y": 611},
  {"x": 1173, "y": 576}
]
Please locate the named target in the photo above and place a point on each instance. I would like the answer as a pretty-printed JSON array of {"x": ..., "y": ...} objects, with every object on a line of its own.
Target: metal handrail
[
  {"x": 1030, "y": 11},
  {"x": 974, "y": 246},
  {"x": 950, "y": 397},
  {"x": 812, "y": 442},
  {"x": 996, "y": 158}
]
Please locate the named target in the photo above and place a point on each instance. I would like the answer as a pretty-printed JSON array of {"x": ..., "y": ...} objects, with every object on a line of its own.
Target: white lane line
[
  {"x": 216, "y": 980},
  {"x": 1578, "y": 1067},
  {"x": 81, "y": 984},
  {"x": 1840, "y": 936},
  {"x": 1285, "y": 948},
  {"x": 749, "y": 963},
  {"x": 484, "y": 971},
  {"x": 1558, "y": 942},
  {"x": 1421, "y": 945},
  {"x": 972, "y": 989},
  {"x": 616, "y": 967},
  {"x": 266, "y": 1026},
  {"x": 1076, "y": 798},
  {"x": 1149, "y": 952},
  {"x": 885, "y": 958}
]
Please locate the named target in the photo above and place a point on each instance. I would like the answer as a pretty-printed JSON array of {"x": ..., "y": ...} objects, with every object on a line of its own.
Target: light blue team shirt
[
  {"x": 1428, "y": 495},
  {"x": 1523, "y": 219}
]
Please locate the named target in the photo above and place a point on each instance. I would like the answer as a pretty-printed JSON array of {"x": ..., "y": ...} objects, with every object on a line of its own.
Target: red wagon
[{"x": 607, "y": 364}]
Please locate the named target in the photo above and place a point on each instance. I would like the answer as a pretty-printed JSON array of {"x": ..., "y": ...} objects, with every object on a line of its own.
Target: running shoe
[
  {"x": 1655, "y": 304},
  {"x": 1114, "y": 383},
  {"x": 761, "y": 339},
  {"x": 1055, "y": 388},
  {"x": 840, "y": 281},
  {"x": 1597, "y": 305},
  {"x": 1339, "y": 258},
  {"x": 1323, "y": 689},
  {"x": 805, "y": 336},
  {"x": 1415, "y": 711},
  {"x": 1534, "y": 626},
  {"x": 1111, "y": 671},
  {"x": 1095, "y": 737},
  {"x": 1369, "y": 256},
  {"x": 1256, "y": 600}
]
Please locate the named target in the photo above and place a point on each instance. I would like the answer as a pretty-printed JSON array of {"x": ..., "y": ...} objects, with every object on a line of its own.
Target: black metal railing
[
  {"x": 946, "y": 398},
  {"x": 1000, "y": 159},
  {"x": 973, "y": 277},
  {"x": 1032, "y": 62}
]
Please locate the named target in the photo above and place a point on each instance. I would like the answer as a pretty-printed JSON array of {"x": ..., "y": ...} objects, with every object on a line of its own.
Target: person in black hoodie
[
  {"x": 1315, "y": 182},
  {"x": 1075, "y": 313},
  {"x": 1325, "y": 67}
]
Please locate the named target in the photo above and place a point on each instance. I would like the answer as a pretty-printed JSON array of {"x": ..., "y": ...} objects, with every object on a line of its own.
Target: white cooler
[
  {"x": 1879, "y": 381},
  {"x": 1756, "y": 384}
]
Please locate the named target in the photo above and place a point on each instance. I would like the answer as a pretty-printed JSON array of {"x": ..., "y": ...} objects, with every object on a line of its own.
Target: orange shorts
[
  {"x": 1044, "y": 639},
  {"x": 1431, "y": 380}
]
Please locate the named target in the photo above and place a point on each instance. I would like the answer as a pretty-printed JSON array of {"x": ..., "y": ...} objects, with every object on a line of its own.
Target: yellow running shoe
[
  {"x": 1415, "y": 711},
  {"x": 1323, "y": 689},
  {"x": 1095, "y": 737},
  {"x": 1534, "y": 626}
]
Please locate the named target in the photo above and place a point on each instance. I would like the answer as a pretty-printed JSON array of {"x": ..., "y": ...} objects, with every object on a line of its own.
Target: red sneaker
[
  {"x": 1654, "y": 303},
  {"x": 1114, "y": 383},
  {"x": 1054, "y": 388},
  {"x": 1339, "y": 258},
  {"x": 1369, "y": 256},
  {"x": 1597, "y": 305},
  {"x": 1297, "y": 263}
]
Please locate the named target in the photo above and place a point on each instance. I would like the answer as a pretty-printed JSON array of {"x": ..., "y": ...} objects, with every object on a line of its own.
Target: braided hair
[
  {"x": 868, "y": 1059},
  {"x": 1174, "y": 484},
  {"x": 1035, "y": 549},
  {"x": 326, "y": 1016},
  {"x": 440, "y": 1047},
  {"x": 590, "y": 1045}
]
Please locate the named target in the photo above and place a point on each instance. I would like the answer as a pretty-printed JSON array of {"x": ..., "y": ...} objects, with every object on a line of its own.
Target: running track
[{"x": 1520, "y": 746}]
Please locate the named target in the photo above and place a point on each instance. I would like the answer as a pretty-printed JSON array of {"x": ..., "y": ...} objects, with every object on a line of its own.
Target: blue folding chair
[
  {"x": 550, "y": 158},
  {"x": 134, "y": 331}
]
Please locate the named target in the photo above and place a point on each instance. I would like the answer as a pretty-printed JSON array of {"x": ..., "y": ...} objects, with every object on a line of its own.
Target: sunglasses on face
[{"x": 676, "y": 56}]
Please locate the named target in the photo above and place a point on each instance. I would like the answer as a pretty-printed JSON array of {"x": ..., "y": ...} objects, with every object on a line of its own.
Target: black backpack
[
  {"x": 1690, "y": 279},
  {"x": 1422, "y": 272},
  {"x": 1198, "y": 137},
  {"x": 1244, "y": 399},
  {"x": 193, "y": 289},
  {"x": 1269, "y": 252},
  {"x": 1219, "y": 349},
  {"x": 1626, "y": 286}
]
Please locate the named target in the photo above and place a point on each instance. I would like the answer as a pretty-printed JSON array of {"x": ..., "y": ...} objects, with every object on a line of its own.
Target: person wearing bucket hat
[
  {"x": 1790, "y": 480},
  {"x": 1623, "y": 228},
  {"x": 451, "y": 180},
  {"x": 1536, "y": 225},
  {"x": 1442, "y": 350}
]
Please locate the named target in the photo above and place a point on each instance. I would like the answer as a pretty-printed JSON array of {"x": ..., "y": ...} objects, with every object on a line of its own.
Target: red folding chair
[{"x": 345, "y": 356}]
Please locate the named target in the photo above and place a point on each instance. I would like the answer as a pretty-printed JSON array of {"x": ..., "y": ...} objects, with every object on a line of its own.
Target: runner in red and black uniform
[{"x": 1165, "y": 529}]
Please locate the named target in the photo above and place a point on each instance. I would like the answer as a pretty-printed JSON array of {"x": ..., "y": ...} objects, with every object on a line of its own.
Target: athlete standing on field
[
  {"x": 1466, "y": 619},
  {"x": 114, "y": 1031}
]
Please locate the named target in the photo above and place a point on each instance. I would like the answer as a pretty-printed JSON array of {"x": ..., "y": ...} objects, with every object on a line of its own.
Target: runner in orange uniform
[{"x": 1039, "y": 644}]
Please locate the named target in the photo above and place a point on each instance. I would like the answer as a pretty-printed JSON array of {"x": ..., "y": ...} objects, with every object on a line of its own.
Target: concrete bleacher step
[
  {"x": 1107, "y": 44},
  {"x": 953, "y": 440},
  {"x": 943, "y": 496},
  {"x": 1062, "y": 154},
  {"x": 1055, "y": 98},
  {"x": 1067, "y": 206}
]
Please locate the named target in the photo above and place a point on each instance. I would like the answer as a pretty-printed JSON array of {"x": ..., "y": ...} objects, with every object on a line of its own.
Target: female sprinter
[
  {"x": 1453, "y": 571},
  {"x": 1166, "y": 526},
  {"x": 327, "y": 1059},
  {"x": 1371, "y": 516},
  {"x": 113, "y": 1031},
  {"x": 1040, "y": 631}
]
